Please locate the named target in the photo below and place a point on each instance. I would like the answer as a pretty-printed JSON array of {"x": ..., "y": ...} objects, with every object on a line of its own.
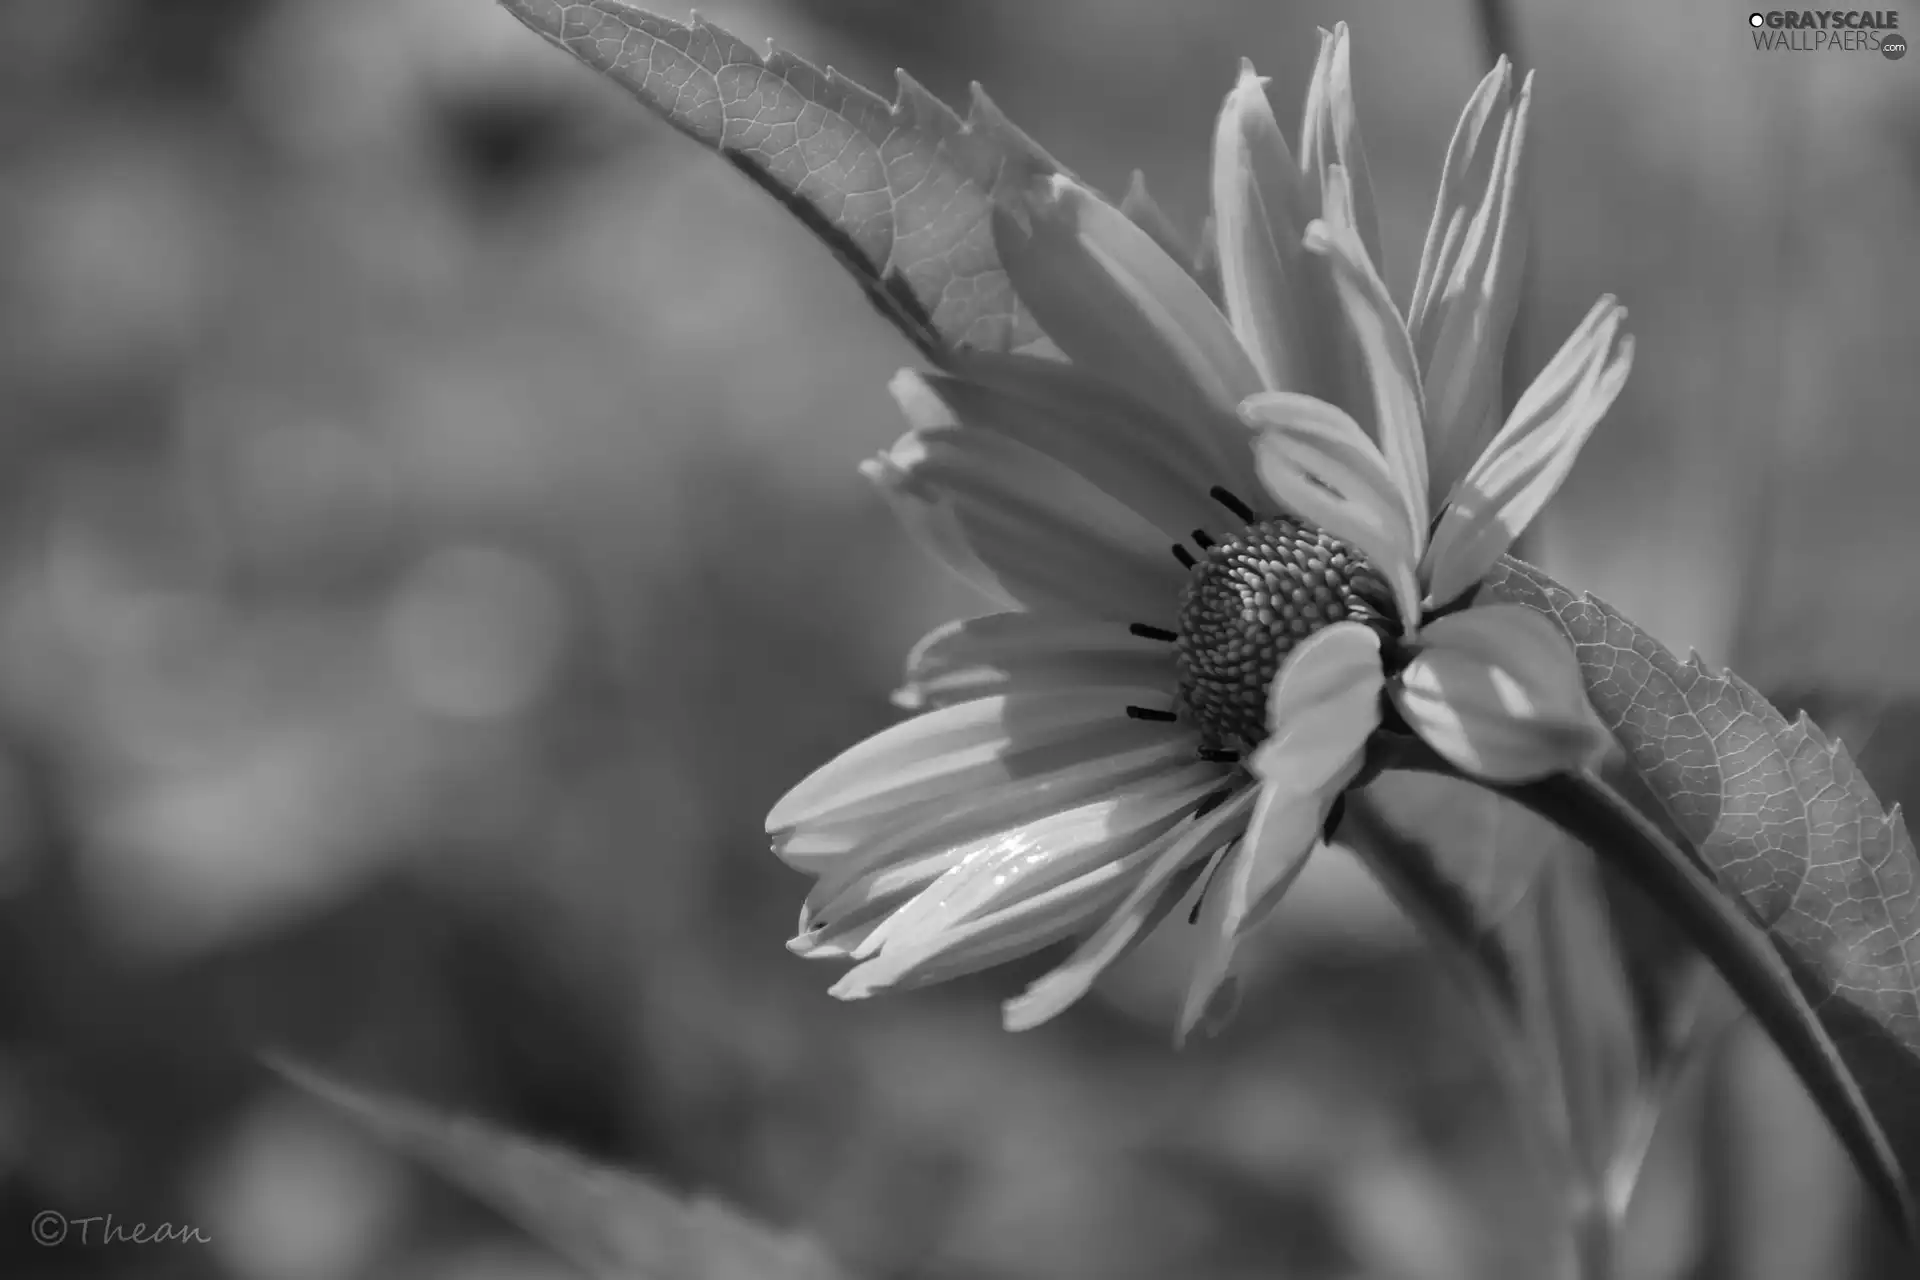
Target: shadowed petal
[
  {"x": 958, "y": 749},
  {"x": 1497, "y": 692},
  {"x": 1128, "y": 921},
  {"x": 1117, "y": 304},
  {"x": 1048, "y": 536},
  {"x": 1017, "y": 652},
  {"x": 1260, "y": 214},
  {"x": 929, "y": 519},
  {"x": 1316, "y": 462},
  {"x": 1463, "y": 187},
  {"x": 1391, "y": 371},
  {"x": 837, "y": 848},
  {"x": 1525, "y": 464},
  {"x": 1324, "y": 706},
  {"x": 1118, "y": 444},
  {"x": 1476, "y": 249},
  {"x": 1201, "y": 451}
]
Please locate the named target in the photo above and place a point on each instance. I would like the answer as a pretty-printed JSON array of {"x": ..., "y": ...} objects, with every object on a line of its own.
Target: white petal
[
  {"x": 1008, "y": 866},
  {"x": 1260, "y": 214},
  {"x": 1089, "y": 850},
  {"x": 1460, "y": 336},
  {"x": 1388, "y": 353},
  {"x": 1050, "y": 539},
  {"x": 1330, "y": 135},
  {"x": 1006, "y": 935},
  {"x": 973, "y": 744},
  {"x": 1527, "y": 461},
  {"x": 1024, "y": 652},
  {"x": 1120, "y": 445},
  {"x": 1060, "y": 988},
  {"x": 1497, "y": 692},
  {"x": 898, "y": 860},
  {"x": 1463, "y": 184},
  {"x": 1117, "y": 304},
  {"x": 1317, "y": 463},
  {"x": 843, "y": 845},
  {"x": 1325, "y": 705},
  {"x": 991, "y": 941}
]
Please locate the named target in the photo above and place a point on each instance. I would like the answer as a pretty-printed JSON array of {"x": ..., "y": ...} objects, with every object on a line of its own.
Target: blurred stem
[
  {"x": 1586, "y": 808},
  {"x": 1594, "y": 1222},
  {"x": 1532, "y": 1076},
  {"x": 1407, "y": 870}
]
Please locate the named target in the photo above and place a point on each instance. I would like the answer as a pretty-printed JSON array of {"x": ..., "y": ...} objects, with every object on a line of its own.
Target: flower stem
[{"x": 1588, "y": 809}]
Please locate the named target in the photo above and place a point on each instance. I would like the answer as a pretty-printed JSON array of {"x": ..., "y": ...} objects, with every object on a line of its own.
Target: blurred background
[{"x": 431, "y": 541}]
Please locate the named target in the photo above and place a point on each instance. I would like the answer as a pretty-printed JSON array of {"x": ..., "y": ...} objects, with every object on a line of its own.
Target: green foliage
[
  {"x": 1782, "y": 818},
  {"x": 901, "y": 193}
]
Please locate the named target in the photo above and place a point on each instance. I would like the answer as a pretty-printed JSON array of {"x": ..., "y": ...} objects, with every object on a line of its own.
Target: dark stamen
[
  {"x": 1184, "y": 556},
  {"x": 1148, "y": 713},
  {"x": 1219, "y": 755},
  {"x": 1146, "y": 632},
  {"x": 1201, "y": 540},
  {"x": 1224, "y": 496}
]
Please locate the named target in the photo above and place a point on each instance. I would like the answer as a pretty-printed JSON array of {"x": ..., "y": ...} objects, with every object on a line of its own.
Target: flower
[{"x": 1135, "y": 721}]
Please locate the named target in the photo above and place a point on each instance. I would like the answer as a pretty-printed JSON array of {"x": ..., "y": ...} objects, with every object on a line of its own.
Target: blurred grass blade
[
  {"x": 1784, "y": 821},
  {"x": 1512, "y": 900},
  {"x": 611, "y": 1224},
  {"x": 1583, "y": 1005},
  {"x": 902, "y": 193},
  {"x": 1696, "y": 1018}
]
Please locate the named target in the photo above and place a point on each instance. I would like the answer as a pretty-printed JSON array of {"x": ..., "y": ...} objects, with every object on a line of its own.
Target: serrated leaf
[
  {"x": 901, "y": 192},
  {"x": 610, "y": 1224},
  {"x": 1783, "y": 820}
]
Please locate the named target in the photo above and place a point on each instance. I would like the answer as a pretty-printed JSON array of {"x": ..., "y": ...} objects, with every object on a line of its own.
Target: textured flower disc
[{"x": 1249, "y": 601}]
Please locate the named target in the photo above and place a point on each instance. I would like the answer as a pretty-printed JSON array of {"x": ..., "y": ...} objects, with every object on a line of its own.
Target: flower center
[{"x": 1248, "y": 602}]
